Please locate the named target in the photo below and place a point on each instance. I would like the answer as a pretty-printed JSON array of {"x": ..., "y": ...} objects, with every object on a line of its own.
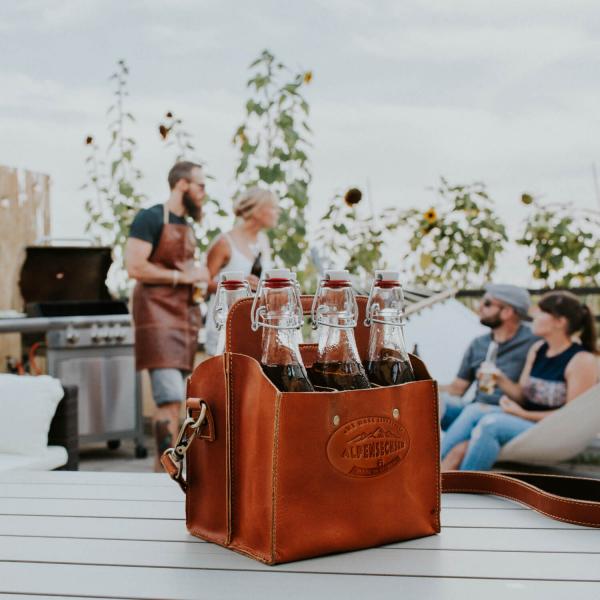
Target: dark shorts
[{"x": 168, "y": 385}]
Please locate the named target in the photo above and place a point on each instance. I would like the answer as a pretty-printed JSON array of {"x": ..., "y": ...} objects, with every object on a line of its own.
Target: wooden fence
[{"x": 24, "y": 218}]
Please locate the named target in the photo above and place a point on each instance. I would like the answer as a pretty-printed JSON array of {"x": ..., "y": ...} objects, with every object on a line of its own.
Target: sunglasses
[{"x": 487, "y": 303}]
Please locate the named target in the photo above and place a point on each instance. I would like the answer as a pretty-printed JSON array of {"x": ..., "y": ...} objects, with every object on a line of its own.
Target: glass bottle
[
  {"x": 334, "y": 314},
  {"x": 231, "y": 287},
  {"x": 277, "y": 309},
  {"x": 487, "y": 381},
  {"x": 387, "y": 362},
  {"x": 256, "y": 268}
]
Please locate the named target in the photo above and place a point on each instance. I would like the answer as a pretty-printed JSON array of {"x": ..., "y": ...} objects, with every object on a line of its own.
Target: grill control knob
[
  {"x": 71, "y": 335},
  {"x": 119, "y": 334},
  {"x": 106, "y": 336},
  {"x": 94, "y": 334}
]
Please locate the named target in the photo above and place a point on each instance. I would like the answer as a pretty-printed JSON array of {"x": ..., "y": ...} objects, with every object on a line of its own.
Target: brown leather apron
[{"x": 166, "y": 318}]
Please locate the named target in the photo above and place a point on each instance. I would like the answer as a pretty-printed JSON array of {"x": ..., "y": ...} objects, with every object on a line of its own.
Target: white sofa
[{"x": 27, "y": 407}]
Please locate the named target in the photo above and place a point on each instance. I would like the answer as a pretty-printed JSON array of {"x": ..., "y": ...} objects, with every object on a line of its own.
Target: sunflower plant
[
  {"x": 113, "y": 194},
  {"x": 173, "y": 134},
  {"x": 273, "y": 144},
  {"x": 349, "y": 239},
  {"x": 454, "y": 242},
  {"x": 563, "y": 243}
]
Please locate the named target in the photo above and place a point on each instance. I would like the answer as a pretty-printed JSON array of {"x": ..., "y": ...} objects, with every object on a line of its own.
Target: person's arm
[
  {"x": 514, "y": 408},
  {"x": 514, "y": 390},
  {"x": 464, "y": 377},
  {"x": 456, "y": 388},
  {"x": 137, "y": 253},
  {"x": 217, "y": 257},
  {"x": 581, "y": 374}
]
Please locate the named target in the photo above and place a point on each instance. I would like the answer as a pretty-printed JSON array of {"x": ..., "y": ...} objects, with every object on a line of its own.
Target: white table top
[{"x": 123, "y": 535}]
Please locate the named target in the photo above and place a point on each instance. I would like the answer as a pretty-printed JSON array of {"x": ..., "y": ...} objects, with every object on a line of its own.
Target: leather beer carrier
[{"x": 283, "y": 476}]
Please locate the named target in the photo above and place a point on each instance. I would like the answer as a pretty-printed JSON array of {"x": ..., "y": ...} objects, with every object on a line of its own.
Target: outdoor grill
[{"x": 86, "y": 336}]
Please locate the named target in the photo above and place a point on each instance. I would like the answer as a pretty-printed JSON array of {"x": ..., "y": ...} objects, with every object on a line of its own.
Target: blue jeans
[
  {"x": 487, "y": 428},
  {"x": 452, "y": 408}
]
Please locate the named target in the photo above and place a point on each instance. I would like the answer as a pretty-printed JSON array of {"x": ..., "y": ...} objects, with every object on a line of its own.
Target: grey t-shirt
[{"x": 511, "y": 359}]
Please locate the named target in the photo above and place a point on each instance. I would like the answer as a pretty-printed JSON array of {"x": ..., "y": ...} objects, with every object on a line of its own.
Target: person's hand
[
  {"x": 195, "y": 274},
  {"x": 511, "y": 407},
  {"x": 494, "y": 371},
  {"x": 253, "y": 281}
]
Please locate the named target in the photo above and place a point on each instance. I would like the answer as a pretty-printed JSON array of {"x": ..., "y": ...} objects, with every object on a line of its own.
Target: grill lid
[
  {"x": 65, "y": 273},
  {"x": 83, "y": 308}
]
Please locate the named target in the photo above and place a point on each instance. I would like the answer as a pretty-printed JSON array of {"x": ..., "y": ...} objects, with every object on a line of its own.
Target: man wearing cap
[{"x": 503, "y": 309}]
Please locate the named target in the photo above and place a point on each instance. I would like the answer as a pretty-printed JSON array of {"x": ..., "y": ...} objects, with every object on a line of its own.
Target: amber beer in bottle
[
  {"x": 278, "y": 310},
  {"x": 231, "y": 287},
  {"x": 387, "y": 362},
  {"x": 334, "y": 314}
]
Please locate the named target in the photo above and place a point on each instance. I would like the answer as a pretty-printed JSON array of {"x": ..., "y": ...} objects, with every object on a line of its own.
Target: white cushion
[
  {"x": 51, "y": 458},
  {"x": 27, "y": 405},
  {"x": 559, "y": 436}
]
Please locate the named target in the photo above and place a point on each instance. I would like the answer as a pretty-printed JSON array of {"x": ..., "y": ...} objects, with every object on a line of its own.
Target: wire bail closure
[
  {"x": 259, "y": 311},
  {"x": 219, "y": 309},
  {"x": 317, "y": 310},
  {"x": 373, "y": 309}
]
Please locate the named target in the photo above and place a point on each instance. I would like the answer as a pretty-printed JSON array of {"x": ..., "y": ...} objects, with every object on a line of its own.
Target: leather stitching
[
  {"x": 438, "y": 479},
  {"x": 199, "y": 533},
  {"x": 275, "y": 473},
  {"x": 229, "y": 449},
  {"x": 230, "y": 316}
]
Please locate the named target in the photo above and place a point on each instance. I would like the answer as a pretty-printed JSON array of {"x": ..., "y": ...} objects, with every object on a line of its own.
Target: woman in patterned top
[{"x": 558, "y": 370}]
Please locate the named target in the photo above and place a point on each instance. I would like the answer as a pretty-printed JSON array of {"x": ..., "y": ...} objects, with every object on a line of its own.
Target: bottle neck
[
  {"x": 385, "y": 341},
  {"x": 335, "y": 316},
  {"x": 280, "y": 346},
  {"x": 336, "y": 345}
]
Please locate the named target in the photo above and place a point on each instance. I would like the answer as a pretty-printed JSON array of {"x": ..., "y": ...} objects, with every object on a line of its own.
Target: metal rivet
[
  {"x": 396, "y": 413},
  {"x": 336, "y": 420}
]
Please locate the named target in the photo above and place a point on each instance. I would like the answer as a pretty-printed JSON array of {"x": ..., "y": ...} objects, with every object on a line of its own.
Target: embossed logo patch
[{"x": 368, "y": 447}]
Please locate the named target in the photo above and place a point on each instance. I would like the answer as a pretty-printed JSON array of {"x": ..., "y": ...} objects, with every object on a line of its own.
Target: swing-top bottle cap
[
  {"x": 386, "y": 275},
  {"x": 231, "y": 276},
  {"x": 277, "y": 274},
  {"x": 337, "y": 275}
]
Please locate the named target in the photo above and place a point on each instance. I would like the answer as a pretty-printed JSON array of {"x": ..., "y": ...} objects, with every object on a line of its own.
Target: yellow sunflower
[{"x": 430, "y": 216}]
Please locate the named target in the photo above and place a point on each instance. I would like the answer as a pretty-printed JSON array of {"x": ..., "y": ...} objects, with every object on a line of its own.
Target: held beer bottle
[
  {"x": 231, "y": 287},
  {"x": 335, "y": 313},
  {"x": 487, "y": 381},
  {"x": 388, "y": 362},
  {"x": 278, "y": 310}
]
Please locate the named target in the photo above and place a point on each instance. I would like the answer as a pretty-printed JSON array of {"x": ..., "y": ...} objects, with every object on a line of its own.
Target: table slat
[
  {"x": 451, "y": 538},
  {"x": 377, "y": 561},
  {"x": 181, "y": 584}
]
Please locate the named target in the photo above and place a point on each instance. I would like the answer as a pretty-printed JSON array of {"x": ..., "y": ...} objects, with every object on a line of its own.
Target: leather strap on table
[{"x": 571, "y": 499}]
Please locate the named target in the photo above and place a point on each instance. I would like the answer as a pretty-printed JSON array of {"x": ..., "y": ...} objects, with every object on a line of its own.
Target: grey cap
[{"x": 512, "y": 295}]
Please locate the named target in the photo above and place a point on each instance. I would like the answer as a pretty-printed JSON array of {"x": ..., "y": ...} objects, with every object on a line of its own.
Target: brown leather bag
[{"x": 286, "y": 476}]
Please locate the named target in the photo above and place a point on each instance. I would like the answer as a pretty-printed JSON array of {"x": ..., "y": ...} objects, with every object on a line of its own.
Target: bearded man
[
  {"x": 503, "y": 309},
  {"x": 160, "y": 256}
]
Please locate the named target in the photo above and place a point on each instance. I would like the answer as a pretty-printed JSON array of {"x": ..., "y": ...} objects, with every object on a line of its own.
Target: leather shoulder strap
[{"x": 571, "y": 499}]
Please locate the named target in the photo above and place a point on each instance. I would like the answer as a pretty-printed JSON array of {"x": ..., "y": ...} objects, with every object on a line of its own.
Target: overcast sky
[{"x": 403, "y": 92}]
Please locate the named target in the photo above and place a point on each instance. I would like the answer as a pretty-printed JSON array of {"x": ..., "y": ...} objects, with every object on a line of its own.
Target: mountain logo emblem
[{"x": 368, "y": 447}]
